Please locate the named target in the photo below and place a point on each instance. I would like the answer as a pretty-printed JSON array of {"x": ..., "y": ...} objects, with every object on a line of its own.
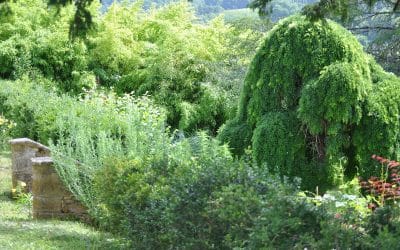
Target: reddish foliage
[{"x": 383, "y": 189}]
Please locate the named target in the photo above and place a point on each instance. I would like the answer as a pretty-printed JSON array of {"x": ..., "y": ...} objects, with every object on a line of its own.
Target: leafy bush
[
  {"x": 84, "y": 132},
  {"x": 197, "y": 196},
  {"x": 315, "y": 105},
  {"x": 31, "y": 108},
  {"x": 166, "y": 54},
  {"x": 98, "y": 128},
  {"x": 161, "y": 199},
  {"x": 88, "y": 130},
  {"x": 384, "y": 225}
]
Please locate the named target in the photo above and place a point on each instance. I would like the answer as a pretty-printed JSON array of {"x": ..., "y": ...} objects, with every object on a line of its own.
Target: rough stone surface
[
  {"x": 23, "y": 149},
  {"x": 50, "y": 197}
]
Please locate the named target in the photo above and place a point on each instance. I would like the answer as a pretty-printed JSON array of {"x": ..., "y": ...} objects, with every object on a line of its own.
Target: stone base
[{"x": 50, "y": 198}]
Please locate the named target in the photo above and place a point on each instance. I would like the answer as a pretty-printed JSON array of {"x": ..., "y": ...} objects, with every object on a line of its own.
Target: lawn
[{"x": 19, "y": 231}]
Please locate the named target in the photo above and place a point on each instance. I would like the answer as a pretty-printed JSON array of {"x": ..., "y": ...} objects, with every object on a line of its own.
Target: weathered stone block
[
  {"x": 50, "y": 198},
  {"x": 23, "y": 149}
]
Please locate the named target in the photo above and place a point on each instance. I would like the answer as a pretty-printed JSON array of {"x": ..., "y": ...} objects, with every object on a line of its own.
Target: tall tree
[
  {"x": 80, "y": 23},
  {"x": 375, "y": 22},
  {"x": 82, "y": 20},
  {"x": 325, "y": 8}
]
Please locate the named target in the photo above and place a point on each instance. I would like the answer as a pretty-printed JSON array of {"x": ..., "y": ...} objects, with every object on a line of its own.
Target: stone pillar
[
  {"x": 50, "y": 197},
  {"x": 23, "y": 149}
]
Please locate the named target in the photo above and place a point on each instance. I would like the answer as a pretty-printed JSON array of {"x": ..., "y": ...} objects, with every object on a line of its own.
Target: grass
[{"x": 19, "y": 231}]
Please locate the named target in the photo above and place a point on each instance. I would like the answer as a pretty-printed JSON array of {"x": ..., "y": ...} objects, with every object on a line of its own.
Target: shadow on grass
[
  {"x": 32, "y": 234},
  {"x": 5, "y": 196}
]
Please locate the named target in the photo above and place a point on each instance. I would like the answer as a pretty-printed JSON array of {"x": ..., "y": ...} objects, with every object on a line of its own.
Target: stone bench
[
  {"x": 23, "y": 150},
  {"x": 33, "y": 166},
  {"x": 50, "y": 197}
]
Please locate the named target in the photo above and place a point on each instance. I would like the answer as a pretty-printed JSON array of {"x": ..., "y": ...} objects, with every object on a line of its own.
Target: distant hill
[{"x": 207, "y": 9}]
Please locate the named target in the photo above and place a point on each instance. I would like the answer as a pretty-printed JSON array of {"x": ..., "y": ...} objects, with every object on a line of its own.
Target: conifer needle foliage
[{"x": 315, "y": 105}]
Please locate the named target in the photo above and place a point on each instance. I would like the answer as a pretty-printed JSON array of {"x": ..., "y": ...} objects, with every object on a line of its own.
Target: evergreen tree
[{"x": 315, "y": 105}]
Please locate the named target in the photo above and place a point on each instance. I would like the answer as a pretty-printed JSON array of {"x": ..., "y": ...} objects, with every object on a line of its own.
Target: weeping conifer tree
[{"x": 315, "y": 105}]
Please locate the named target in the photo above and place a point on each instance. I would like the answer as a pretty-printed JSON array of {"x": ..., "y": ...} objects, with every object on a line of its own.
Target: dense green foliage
[
  {"x": 168, "y": 57},
  {"x": 376, "y": 23},
  {"x": 98, "y": 129},
  {"x": 160, "y": 191},
  {"x": 32, "y": 109},
  {"x": 315, "y": 105},
  {"x": 184, "y": 66},
  {"x": 162, "y": 199},
  {"x": 33, "y": 40}
]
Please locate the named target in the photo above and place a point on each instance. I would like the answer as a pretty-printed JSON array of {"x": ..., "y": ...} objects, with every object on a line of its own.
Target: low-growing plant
[{"x": 385, "y": 190}]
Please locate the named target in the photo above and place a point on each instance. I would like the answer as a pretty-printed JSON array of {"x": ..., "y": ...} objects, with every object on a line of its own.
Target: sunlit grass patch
[{"x": 32, "y": 234}]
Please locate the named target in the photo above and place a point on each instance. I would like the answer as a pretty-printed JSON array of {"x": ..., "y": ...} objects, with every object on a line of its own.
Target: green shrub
[
  {"x": 315, "y": 105},
  {"x": 193, "y": 194},
  {"x": 101, "y": 127},
  {"x": 83, "y": 132},
  {"x": 384, "y": 226},
  {"x": 31, "y": 108},
  {"x": 166, "y": 54},
  {"x": 183, "y": 65},
  {"x": 161, "y": 199}
]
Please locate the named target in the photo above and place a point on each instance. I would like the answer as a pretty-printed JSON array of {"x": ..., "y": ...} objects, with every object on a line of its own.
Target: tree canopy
[
  {"x": 324, "y": 8},
  {"x": 82, "y": 19},
  {"x": 315, "y": 105}
]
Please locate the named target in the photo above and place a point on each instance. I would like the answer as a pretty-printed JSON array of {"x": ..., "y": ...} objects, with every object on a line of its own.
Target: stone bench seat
[{"x": 33, "y": 166}]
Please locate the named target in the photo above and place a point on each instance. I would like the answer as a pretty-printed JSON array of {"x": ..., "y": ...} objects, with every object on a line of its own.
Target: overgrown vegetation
[
  {"x": 155, "y": 53},
  {"x": 123, "y": 108},
  {"x": 156, "y": 62}
]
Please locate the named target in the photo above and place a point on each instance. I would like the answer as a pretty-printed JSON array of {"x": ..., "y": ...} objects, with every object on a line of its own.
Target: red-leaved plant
[{"x": 386, "y": 189}]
